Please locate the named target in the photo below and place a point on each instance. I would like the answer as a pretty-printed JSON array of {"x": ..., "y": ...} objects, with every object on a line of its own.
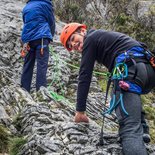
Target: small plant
[
  {"x": 147, "y": 101},
  {"x": 16, "y": 144},
  {"x": 17, "y": 121},
  {"x": 4, "y": 139},
  {"x": 72, "y": 11}
]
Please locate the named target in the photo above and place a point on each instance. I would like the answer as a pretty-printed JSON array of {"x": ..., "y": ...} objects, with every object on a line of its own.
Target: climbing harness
[
  {"x": 120, "y": 74},
  {"x": 119, "y": 77},
  {"x": 26, "y": 48}
]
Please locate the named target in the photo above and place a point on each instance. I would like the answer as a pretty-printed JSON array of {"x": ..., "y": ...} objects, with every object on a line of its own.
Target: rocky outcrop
[{"x": 143, "y": 12}]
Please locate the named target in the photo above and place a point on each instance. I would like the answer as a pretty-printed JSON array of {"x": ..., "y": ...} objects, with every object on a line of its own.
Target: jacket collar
[{"x": 49, "y": 1}]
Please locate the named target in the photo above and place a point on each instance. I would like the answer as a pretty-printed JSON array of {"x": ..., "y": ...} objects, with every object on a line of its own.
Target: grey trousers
[{"x": 130, "y": 127}]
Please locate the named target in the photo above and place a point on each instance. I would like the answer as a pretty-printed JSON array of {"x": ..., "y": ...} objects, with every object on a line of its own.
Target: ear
[{"x": 83, "y": 30}]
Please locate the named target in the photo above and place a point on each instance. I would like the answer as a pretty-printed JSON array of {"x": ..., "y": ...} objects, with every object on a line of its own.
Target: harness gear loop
[{"x": 25, "y": 49}]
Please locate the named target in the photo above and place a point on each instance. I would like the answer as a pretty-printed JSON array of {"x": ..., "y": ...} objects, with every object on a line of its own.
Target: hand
[{"x": 81, "y": 117}]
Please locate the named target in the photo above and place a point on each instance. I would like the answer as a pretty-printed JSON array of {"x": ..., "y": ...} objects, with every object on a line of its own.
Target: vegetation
[
  {"x": 113, "y": 15},
  {"x": 147, "y": 101},
  {"x": 17, "y": 121},
  {"x": 16, "y": 144},
  {"x": 9, "y": 144},
  {"x": 126, "y": 24},
  {"x": 4, "y": 139}
]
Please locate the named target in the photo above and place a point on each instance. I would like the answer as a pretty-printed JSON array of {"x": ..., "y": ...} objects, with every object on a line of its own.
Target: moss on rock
[
  {"x": 126, "y": 24},
  {"x": 16, "y": 144},
  {"x": 147, "y": 101},
  {"x": 4, "y": 139}
]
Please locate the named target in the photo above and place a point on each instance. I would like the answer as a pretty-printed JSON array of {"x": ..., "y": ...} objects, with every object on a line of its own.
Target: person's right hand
[{"x": 81, "y": 117}]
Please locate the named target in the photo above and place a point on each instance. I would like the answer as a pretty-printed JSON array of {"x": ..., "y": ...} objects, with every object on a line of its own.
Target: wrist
[{"x": 80, "y": 112}]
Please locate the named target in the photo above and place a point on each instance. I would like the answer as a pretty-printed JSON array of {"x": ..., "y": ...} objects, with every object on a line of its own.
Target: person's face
[{"x": 75, "y": 42}]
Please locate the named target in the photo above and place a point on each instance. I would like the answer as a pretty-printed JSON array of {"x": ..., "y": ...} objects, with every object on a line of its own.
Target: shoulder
[
  {"x": 90, "y": 36},
  {"x": 93, "y": 32}
]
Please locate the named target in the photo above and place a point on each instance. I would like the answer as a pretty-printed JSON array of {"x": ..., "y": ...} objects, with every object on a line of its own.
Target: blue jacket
[{"x": 39, "y": 20}]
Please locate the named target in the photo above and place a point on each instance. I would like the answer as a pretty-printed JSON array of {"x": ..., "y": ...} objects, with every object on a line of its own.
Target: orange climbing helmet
[{"x": 67, "y": 31}]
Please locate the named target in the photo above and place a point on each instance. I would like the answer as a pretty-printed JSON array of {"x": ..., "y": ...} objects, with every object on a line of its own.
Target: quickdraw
[
  {"x": 25, "y": 50},
  {"x": 152, "y": 61},
  {"x": 119, "y": 73}
]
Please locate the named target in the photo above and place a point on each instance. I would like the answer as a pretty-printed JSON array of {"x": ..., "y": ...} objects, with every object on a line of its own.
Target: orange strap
[
  {"x": 22, "y": 53},
  {"x": 152, "y": 61},
  {"x": 25, "y": 50},
  {"x": 42, "y": 47}
]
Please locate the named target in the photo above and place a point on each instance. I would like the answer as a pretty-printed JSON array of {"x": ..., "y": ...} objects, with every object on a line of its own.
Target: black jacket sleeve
[{"x": 85, "y": 73}]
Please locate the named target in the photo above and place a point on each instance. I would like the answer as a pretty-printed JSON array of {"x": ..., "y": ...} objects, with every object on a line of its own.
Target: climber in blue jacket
[{"x": 38, "y": 30}]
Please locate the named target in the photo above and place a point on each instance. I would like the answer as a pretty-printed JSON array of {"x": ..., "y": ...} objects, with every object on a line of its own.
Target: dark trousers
[
  {"x": 131, "y": 126},
  {"x": 42, "y": 63}
]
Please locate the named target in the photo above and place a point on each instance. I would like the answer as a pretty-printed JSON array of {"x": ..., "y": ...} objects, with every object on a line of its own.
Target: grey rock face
[{"x": 53, "y": 131}]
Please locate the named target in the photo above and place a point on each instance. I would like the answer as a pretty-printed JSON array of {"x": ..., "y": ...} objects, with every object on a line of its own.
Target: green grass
[
  {"x": 4, "y": 139},
  {"x": 16, "y": 144}
]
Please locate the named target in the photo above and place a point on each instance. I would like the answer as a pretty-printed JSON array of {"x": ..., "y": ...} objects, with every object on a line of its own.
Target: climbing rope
[
  {"x": 58, "y": 97},
  {"x": 56, "y": 78},
  {"x": 120, "y": 72}
]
